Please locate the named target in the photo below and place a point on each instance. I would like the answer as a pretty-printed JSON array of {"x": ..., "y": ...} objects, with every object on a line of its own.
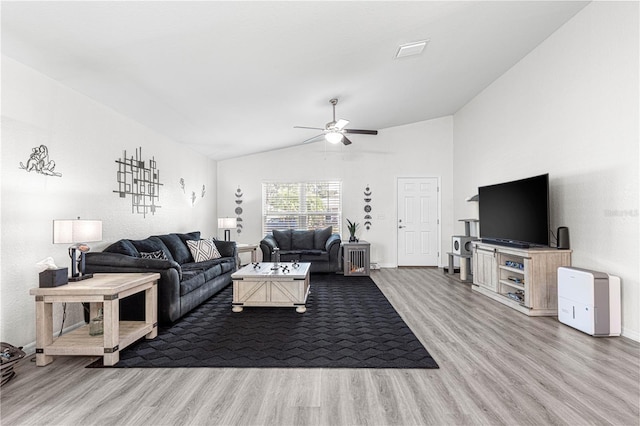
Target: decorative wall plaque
[
  {"x": 367, "y": 207},
  {"x": 238, "y": 210},
  {"x": 140, "y": 181}
]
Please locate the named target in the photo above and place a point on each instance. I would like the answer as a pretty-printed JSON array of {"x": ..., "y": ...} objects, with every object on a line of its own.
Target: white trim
[{"x": 439, "y": 218}]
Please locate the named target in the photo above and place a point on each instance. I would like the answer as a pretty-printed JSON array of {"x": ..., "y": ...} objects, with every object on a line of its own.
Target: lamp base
[{"x": 80, "y": 278}]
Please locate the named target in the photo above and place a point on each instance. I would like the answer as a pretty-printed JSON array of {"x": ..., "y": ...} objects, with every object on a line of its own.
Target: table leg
[
  {"x": 151, "y": 309},
  {"x": 111, "y": 311},
  {"x": 44, "y": 331}
]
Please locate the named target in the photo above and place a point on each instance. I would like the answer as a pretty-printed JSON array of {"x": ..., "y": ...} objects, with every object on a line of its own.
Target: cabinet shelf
[
  {"x": 510, "y": 269},
  {"x": 538, "y": 286},
  {"x": 519, "y": 286}
]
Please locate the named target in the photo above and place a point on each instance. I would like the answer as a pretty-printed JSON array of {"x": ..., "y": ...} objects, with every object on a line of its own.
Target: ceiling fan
[{"x": 334, "y": 131}]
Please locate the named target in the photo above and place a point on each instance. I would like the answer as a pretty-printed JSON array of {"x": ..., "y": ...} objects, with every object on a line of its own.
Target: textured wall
[
  {"x": 84, "y": 139},
  {"x": 570, "y": 109},
  {"x": 415, "y": 150}
]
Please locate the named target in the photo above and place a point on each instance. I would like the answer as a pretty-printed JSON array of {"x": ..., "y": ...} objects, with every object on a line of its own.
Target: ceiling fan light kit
[
  {"x": 333, "y": 137},
  {"x": 334, "y": 131}
]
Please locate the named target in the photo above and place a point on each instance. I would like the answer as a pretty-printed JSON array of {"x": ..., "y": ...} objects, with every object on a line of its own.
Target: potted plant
[{"x": 353, "y": 227}]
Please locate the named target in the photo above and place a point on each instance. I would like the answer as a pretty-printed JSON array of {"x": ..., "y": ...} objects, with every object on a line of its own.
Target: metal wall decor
[
  {"x": 39, "y": 162},
  {"x": 367, "y": 208},
  {"x": 193, "y": 197},
  {"x": 141, "y": 182},
  {"x": 238, "y": 210}
]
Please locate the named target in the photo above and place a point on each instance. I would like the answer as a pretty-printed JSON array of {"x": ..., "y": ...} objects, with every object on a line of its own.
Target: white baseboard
[{"x": 631, "y": 334}]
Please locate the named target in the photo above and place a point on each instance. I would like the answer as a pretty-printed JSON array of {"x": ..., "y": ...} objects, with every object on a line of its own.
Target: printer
[{"x": 589, "y": 301}]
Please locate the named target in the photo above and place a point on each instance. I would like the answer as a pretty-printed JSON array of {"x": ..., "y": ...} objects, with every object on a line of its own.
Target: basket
[{"x": 9, "y": 355}]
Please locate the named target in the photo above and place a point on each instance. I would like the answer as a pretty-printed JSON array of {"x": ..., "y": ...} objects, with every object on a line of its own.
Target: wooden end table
[
  {"x": 248, "y": 248},
  {"x": 103, "y": 290}
]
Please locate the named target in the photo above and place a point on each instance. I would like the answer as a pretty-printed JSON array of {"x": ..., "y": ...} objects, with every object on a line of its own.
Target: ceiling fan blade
[
  {"x": 313, "y": 139},
  {"x": 361, "y": 132},
  {"x": 341, "y": 123},
  {"x": 345, "y": 140},
  {"x": 304, "y": 127}
]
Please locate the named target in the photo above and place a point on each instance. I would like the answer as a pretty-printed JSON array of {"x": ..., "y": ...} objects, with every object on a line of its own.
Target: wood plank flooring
[{"x": 497, "y": 366}]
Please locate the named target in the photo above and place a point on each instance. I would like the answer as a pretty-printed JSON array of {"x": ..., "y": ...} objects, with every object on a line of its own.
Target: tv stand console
[{"x": 524, "y": 279}]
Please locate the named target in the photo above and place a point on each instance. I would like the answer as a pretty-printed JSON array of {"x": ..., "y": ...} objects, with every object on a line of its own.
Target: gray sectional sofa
[
  {"x": 184, "y": 284},
  {"x": 321, "y": 247}
]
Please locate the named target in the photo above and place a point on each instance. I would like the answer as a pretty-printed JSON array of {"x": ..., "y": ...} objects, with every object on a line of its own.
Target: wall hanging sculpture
[
  {"x": 193, "y": 197},
  {"x": 367, "y": 208},
  {"x": 139, "y": 181},
  {"x": 39, "y": 162},
  {"x": 238, "y": 210}
]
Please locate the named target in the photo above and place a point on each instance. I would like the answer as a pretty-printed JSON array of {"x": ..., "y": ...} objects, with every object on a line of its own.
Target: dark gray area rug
[{"x": 349, "y": 323}]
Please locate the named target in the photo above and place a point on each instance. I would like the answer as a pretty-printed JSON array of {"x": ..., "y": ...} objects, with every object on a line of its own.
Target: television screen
[{"x": 515, "y": 213}]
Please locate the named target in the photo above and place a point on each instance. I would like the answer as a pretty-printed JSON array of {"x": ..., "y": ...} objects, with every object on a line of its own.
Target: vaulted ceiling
[{"x": 233, "y": 78}]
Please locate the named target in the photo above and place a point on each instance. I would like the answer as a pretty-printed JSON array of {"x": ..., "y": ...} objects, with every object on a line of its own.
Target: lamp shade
[
  {"x": 333, "y": 137},
  {"x": 226, "y": 222},
  {"x": 76, "y": 231}
]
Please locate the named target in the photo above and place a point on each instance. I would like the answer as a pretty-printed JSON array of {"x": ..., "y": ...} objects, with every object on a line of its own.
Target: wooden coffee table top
[{"x": 262, "y": 269}]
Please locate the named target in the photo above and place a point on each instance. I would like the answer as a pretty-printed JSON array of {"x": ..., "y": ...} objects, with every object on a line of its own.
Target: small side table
[
  {"x": 356, "y": 258},
  {"x": 105, "y": 290},
  {"x": 248, "y": 248}
]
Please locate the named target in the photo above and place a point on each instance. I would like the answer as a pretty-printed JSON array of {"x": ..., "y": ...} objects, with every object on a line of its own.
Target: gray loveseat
[
  {"x": 184, "y": 284},
  {"x": 320, "y": 247}
]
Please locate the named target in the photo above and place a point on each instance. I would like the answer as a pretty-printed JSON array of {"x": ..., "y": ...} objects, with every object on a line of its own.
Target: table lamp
[
  {"x": 77, "y": 232},
  {"x": 227, "y": 223}
]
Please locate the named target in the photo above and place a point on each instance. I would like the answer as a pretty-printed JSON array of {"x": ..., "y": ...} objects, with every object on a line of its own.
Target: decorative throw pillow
[
  {"x": 154, "y": 255},
  {"x": 202, "y": 250}
]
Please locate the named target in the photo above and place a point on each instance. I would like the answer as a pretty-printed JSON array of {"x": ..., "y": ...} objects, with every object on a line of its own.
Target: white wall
[
  {"x": 417, "y": 150},
  {"x": 570, "y": 109},
  {"x": 84, "y": 139}
]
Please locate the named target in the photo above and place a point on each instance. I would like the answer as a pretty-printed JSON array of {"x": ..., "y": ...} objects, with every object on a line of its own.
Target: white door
[{"x": 418, "y": 221}]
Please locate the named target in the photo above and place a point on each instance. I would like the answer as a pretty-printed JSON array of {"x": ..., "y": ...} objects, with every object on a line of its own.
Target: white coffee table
[{"x": 265, "y": 285}]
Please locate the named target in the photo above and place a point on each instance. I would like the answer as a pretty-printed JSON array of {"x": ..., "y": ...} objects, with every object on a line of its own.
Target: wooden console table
[{"x": 103, "y": 290}]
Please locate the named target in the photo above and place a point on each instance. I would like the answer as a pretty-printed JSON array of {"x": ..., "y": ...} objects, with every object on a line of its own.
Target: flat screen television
[{"x": 515, "y": 213}]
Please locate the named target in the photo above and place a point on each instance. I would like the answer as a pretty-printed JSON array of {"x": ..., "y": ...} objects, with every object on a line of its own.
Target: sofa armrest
[
  {"x": 267, "y": 245},
  {"x": 168, "y": 285},
  {"x": 333, "y": 240}
]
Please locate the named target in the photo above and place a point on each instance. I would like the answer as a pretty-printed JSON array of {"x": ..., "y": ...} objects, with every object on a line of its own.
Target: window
[{"x": 301, "y": 205}]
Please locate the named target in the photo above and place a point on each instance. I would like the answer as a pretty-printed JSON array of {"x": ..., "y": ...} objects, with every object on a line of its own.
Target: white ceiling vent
[{"x": 411, "y": 49}]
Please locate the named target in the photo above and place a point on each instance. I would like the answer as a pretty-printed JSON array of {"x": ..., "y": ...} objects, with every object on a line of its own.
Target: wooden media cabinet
[{"x": 524, "y": 279}]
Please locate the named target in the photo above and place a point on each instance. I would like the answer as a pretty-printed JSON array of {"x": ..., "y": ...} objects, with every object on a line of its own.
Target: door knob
[{"x": 400, "y": 226}]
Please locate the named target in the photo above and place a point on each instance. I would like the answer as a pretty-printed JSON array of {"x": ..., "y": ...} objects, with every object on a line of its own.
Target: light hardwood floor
[{"x": 497, "y": 366}]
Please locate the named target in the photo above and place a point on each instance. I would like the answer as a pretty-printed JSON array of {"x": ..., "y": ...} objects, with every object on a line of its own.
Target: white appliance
[{"x": 589, "y": 301}]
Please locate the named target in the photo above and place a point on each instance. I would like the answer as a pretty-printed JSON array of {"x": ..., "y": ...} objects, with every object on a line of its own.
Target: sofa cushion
[
  {"x": 151, "y": 244},
  {"x": 321, "y": 236},
  {"x": 191, "y": 280},
  {"x": 227, "y": 265},
  {"x": 202, "y": 250},
  {"x": 160, "y": 254},
  {"x": 123, "y": 247},
  {"x": 177, "y": 245},
  {"x": 283, "y": 238},
  {"x": 302, "y": 240}
]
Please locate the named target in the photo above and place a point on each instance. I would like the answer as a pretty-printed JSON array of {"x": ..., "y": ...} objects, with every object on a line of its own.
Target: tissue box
[{"x": 54, "y": 277}]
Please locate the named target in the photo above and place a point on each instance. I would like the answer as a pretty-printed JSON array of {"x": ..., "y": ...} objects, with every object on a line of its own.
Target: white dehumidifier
[{"x": 589, "y": 301}]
